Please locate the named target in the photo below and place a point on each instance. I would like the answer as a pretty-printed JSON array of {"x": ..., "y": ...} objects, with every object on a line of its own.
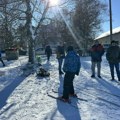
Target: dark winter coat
[
  {"x": 72, "y": 63},
  {"x": 48, "y": 50},
  {"x": 113, "y": 54},
  {"x": 60, "y": 52},
  {"x": 97, "y": 52}
]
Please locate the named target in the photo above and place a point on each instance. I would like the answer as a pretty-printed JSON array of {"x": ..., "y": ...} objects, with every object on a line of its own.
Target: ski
[
  {"x": 82, "y": 99},
  {"x": 57, "y": 98}
]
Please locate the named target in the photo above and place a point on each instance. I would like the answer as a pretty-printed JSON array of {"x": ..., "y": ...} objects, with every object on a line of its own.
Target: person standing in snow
[
  {"x": 97, "y": 52},
  {"x": 113, "y": 57},
  {"x": 60, "y": 56},
  {"x": 71, "y": 68},
  {"x": 1, "y": 58},
  {"x": 48, "y": 52}
]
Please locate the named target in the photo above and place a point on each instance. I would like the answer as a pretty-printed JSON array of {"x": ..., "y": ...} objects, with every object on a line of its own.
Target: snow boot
[
  {"x": 99, "y": 76},
  {"x": 92, "y": 76},
  {"x": 64, "y": 99}
]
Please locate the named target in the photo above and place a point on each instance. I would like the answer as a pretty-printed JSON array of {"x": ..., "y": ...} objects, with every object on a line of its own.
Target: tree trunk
[
  {"x": 31, "y": 51},
  {"x": 29, "y": 34}
]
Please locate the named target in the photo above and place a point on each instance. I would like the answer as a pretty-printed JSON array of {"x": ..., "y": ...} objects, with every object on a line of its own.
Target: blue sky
[{"x": 115, "y": 15}]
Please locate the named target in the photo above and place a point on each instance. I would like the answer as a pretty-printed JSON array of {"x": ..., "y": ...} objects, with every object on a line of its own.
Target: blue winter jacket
[{"x": 72, "y": 63}]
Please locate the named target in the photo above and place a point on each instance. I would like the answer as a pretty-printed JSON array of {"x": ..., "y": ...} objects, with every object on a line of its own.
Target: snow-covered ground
[{"x": 25, "y": 98}]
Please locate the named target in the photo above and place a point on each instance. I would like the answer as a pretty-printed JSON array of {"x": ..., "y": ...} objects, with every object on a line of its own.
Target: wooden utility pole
[{"x": 110, "y": 10}]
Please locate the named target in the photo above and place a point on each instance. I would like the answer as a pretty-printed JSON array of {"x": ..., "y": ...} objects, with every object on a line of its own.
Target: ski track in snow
[{"x": 25, "y": 98}]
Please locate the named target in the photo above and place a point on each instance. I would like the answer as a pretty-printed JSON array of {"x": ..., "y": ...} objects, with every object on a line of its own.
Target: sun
[{"x": 54, "y": 2}]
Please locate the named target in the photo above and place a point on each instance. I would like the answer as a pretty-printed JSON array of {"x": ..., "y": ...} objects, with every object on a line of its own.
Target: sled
[{"x": 43, "y": 73}]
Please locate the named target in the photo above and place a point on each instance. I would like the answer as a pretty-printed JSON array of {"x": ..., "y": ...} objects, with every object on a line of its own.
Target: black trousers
[
  {"x": 48, "y": 57},
  {"x": 116, "y": 66},
  {"x": 68, "y": 87}
]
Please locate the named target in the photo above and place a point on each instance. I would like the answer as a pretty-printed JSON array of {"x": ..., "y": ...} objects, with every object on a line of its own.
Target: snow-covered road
[{"x": 25, "y": 98}]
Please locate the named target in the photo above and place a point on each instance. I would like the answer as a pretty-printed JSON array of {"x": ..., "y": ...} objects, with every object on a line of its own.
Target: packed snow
[{"x": 25, "y": 97}]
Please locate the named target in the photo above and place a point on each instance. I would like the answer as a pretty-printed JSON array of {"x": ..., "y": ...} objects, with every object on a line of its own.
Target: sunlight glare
[{"x": 54, "y": 2}]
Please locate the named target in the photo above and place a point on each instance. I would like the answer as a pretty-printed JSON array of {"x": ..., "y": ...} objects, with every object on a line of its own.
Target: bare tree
[
  {"x": 88, "y": 18},
  {"x": 9, "y": 17},
  {"x": 79, "y": 20},
  {"x": 24, "y": 12},
  {"x": 65, "y": 24},
  {"x": 35, "y": 7},
  {"x": 31, "y": 33}
]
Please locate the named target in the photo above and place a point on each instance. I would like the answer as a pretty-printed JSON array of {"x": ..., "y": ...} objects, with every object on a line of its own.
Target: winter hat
[{"x": 70, "y": 48}]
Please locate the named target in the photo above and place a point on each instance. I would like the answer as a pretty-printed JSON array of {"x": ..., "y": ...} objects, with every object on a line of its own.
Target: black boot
[{"x": 92, "y": 76}]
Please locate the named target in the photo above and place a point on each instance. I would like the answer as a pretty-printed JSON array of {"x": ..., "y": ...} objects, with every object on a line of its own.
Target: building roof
[{"x": 116, "y": 30}]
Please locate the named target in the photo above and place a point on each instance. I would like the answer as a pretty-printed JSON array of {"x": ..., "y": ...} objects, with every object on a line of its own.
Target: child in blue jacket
[{"x": 71, "y": 68}]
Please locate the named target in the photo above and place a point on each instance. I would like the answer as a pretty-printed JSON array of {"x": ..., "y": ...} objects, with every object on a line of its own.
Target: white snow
[
  {"x": 25, "y": 98},
  {"x": 116, "y": 30}
]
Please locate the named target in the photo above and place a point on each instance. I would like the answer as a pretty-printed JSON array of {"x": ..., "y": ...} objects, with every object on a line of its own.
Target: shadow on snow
[{"x": 7, "y": 91}]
